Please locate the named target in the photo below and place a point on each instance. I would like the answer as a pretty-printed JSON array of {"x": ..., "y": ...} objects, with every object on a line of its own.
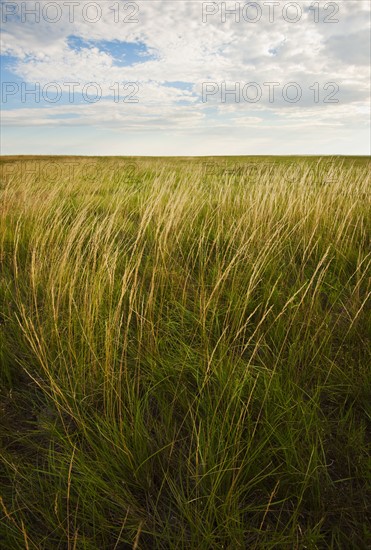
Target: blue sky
[
  {"x": 129, "y": 78},
  {"x": 122, "y": 53}
]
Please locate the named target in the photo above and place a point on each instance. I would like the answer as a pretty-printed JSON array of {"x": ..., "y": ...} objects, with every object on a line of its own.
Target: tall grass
[{"x": 184, "y": 356}]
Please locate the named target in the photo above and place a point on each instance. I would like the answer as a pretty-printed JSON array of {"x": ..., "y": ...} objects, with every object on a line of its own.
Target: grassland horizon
[{"x": 185, "y": 352}]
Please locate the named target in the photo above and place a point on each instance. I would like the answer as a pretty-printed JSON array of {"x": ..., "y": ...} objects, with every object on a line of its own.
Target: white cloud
[{"x": 184, "y": 48}]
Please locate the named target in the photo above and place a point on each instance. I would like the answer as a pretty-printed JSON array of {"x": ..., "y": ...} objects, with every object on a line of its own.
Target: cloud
[
  {"x": 169, "y": 50},
  {"x": 351, "y": 49}
]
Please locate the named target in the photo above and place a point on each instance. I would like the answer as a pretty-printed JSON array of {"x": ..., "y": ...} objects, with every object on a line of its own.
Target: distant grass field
[{"x": 185, "y": 353}]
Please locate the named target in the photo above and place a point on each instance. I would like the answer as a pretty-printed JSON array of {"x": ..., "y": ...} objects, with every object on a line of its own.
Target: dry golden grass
[{"x": 185, "y": 352}]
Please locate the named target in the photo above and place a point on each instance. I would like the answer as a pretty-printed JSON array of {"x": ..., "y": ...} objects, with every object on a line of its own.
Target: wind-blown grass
[{"x": 184, "y": 356}]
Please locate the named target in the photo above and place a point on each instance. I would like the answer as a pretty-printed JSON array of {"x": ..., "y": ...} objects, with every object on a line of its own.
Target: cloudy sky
[{"x": 185, "y": 77}]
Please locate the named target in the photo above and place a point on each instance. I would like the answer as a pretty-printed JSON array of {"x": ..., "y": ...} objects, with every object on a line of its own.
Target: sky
[{"x": 185, "y": 77}]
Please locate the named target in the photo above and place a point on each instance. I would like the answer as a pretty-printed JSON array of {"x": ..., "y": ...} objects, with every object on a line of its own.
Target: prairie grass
[{"x": 185, "y": 360}]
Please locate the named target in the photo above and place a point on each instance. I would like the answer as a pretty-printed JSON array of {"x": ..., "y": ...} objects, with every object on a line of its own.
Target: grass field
[{"x": 184, "y": 353}]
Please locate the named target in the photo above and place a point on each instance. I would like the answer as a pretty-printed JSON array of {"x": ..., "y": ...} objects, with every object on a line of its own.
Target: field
[{"x": 185, "y": 353}]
